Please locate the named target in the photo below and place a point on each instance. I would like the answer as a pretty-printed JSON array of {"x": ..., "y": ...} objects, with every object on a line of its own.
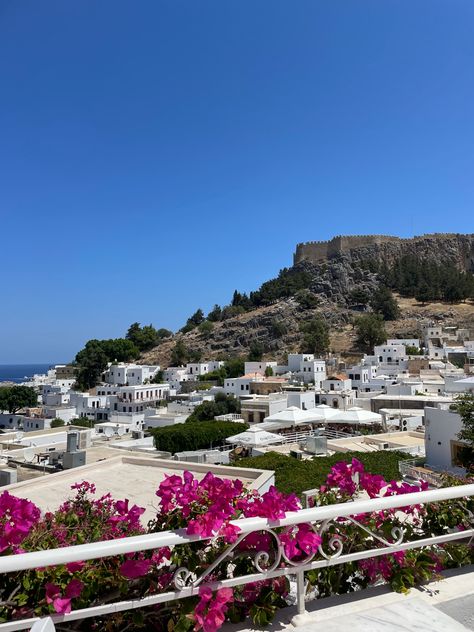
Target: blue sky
[{"x": 156, "y": 155}]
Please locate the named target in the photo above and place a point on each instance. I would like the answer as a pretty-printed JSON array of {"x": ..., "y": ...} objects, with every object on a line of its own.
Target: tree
[
  {"x": 205, "y": 328},
  {"x": 464, "y": 406},
  {"x": 92, "y": 362},
  {"x": 234, "y": 367},
  {"x": 120, "y": 350},
  {"x": 93, "y": 359},
  {"x": 197, "y": 317},
  {"x": 255, "y": 351},
  {"x": 370, "y": 331},
  {"x": 231, "y": 311},
  {"x": 179, "y": 354},
  {"x": 158, "y": 378},
  {"x": 14, "y": 398},
  {"x": 307, "y": 299},
  {"x": 241, "y": 300},
  {"x": 57, "y": 423},
  {"x": 383, "y": 302},
  {"x": 423, "y": 293},
  {"x": 316, "y": 336},
  {"x": 268, "y": 371},
  {"x": 193, "y": 321},
  {"x": 147, "y": 337},
  {"x": 278, "y": 328},
  {"x": 453, "y": 292},
  {"x": 358, "y": 296},
  {"x": 215, "y": 314}
]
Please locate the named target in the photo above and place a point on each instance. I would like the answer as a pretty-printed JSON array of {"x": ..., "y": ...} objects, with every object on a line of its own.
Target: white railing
[
  {"x": 187, "y": 584},
  {"x": 230, "y": 417}
]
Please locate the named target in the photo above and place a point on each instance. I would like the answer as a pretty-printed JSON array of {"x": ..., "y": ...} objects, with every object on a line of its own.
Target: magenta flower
[
  {"x": 62, "y": 604},
  {"x": 73, "y": 567},
  {"x": 209, "y": 614},
  {"x": 132, "y": 569}
]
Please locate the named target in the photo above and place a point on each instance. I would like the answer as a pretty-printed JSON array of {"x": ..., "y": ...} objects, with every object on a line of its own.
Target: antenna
[
  {"x": 29, "y": 455},
  {"x": 120, "y": 431}
]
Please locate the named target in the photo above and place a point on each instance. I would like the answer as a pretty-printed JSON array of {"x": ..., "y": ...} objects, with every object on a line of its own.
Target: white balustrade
[{"x": 186, "y": 584}]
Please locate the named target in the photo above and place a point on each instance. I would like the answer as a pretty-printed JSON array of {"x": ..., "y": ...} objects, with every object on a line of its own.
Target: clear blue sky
[{"x": 156, "y": 155}]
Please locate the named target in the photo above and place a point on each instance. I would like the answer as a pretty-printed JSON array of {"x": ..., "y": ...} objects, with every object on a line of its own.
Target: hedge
[
  {"x": 296, "y": 476},
  {"x": 196, "y": 435}
]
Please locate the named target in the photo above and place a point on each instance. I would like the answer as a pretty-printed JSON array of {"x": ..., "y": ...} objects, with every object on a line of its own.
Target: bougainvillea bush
[{"x": 206, "y": 508}]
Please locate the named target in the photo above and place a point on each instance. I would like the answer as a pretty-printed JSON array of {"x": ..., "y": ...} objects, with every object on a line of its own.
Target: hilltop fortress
[{"x": 317, "y": 251}]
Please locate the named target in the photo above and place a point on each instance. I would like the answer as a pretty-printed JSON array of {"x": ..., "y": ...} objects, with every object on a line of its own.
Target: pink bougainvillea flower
[
  {"x": 73, "y": 567},
  {"x": 62, "y": 604},
  {"x": 74, "y": 588},
  {"x": 132, "y": 569},
  {"x": 209, "y": 614}
]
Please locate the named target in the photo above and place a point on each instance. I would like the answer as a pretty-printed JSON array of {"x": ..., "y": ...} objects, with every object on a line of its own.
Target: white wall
[{"x": 441, "y": 427}]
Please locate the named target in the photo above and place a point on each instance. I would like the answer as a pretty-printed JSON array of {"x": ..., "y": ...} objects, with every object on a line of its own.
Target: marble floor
[{"x": 414, "y": 615}]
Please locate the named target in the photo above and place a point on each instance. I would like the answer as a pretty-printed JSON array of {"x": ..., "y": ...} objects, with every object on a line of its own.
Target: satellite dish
[
  {"x": 108, "y": 431},
  {"x": 29, "y": 455},
  {"x": 120, "y": 431},
  {"x": 20, "y": 435}
]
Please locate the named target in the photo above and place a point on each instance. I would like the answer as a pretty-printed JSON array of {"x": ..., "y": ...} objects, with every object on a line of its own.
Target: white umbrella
[
  {"x": 325, "y": 412},
  {"x": 294, "y": 416},
  {"x": 357, "y": 415},
  {"x": 254, "y": 437}
]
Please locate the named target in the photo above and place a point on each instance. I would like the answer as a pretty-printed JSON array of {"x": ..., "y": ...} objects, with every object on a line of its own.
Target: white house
[
  {"x": 302, "y": 399},
  {"x": 195, "y": 369},
  {"x": 337, "y": 382},
  {"x": 130, "y": 374},
  {"x": 406, "y": 342},
  {"x": 22, "y": 422},
  {"x": 259, "y": 367},
  {"x": 361, "y": 375},
  {"x": 441, "y": 442},
  {"x": 240, "y": 386},
  {"x": 174, "y": 375},
  {"x": 304, "y": 367}
]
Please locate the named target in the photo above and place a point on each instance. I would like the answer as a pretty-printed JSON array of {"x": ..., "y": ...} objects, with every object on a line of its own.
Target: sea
[{"x": 21, "y": 372}]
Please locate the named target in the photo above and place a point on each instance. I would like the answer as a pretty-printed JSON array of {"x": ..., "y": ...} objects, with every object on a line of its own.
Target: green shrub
[
  {"x": 297, "y": 476},
  {"x": 222, "y": 405},
  {"x": 195, "y": 436}
]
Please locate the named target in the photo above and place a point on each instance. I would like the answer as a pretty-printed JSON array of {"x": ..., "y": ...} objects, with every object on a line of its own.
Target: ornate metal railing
[{"x": 322, "y": 520}]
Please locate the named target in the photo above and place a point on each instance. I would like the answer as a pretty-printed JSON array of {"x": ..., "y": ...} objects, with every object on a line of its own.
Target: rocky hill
[{"x": 332, "y": 274}]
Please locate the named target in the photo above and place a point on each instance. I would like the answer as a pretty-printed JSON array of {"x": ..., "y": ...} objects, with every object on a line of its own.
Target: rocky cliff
[
  {"x": 453, "y": 247},
  {"x": 277, "y": 326}
]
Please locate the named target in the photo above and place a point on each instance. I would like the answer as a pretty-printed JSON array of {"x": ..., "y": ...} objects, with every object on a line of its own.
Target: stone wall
[
  {"x": 320, "y": 250},
  {"x": 317, "y": 251}
]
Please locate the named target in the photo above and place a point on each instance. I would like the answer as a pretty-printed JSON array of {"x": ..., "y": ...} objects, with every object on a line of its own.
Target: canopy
[
  {"x": 357, "y": 415},
  {"x": 254, "y": 437},
  {"x": 293, "y": 416},
  {"x": 325, "y": 412}
]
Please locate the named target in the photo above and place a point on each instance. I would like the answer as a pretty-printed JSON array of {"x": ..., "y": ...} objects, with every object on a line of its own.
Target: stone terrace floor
[{"x": 442, "y": 606}]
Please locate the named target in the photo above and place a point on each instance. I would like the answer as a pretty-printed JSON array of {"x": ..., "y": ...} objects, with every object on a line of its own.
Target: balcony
[{"x": 333, "y": 552}]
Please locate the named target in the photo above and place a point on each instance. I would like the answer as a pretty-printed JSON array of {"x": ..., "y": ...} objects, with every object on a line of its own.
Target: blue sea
[{"x": 20, "y": 372}]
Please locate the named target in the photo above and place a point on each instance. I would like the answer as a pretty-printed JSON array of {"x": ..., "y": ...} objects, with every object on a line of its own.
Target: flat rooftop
[
  {"x": 370, "y": 443},
  {"x": 125, "y": 476}
]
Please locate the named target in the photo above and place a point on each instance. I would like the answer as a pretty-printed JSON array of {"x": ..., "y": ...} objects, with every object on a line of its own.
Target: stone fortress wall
[{"x": 316, "y": 251}]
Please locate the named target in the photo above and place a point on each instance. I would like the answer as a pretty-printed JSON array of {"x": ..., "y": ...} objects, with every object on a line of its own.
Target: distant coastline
[{"x": 20, "y": 372}]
